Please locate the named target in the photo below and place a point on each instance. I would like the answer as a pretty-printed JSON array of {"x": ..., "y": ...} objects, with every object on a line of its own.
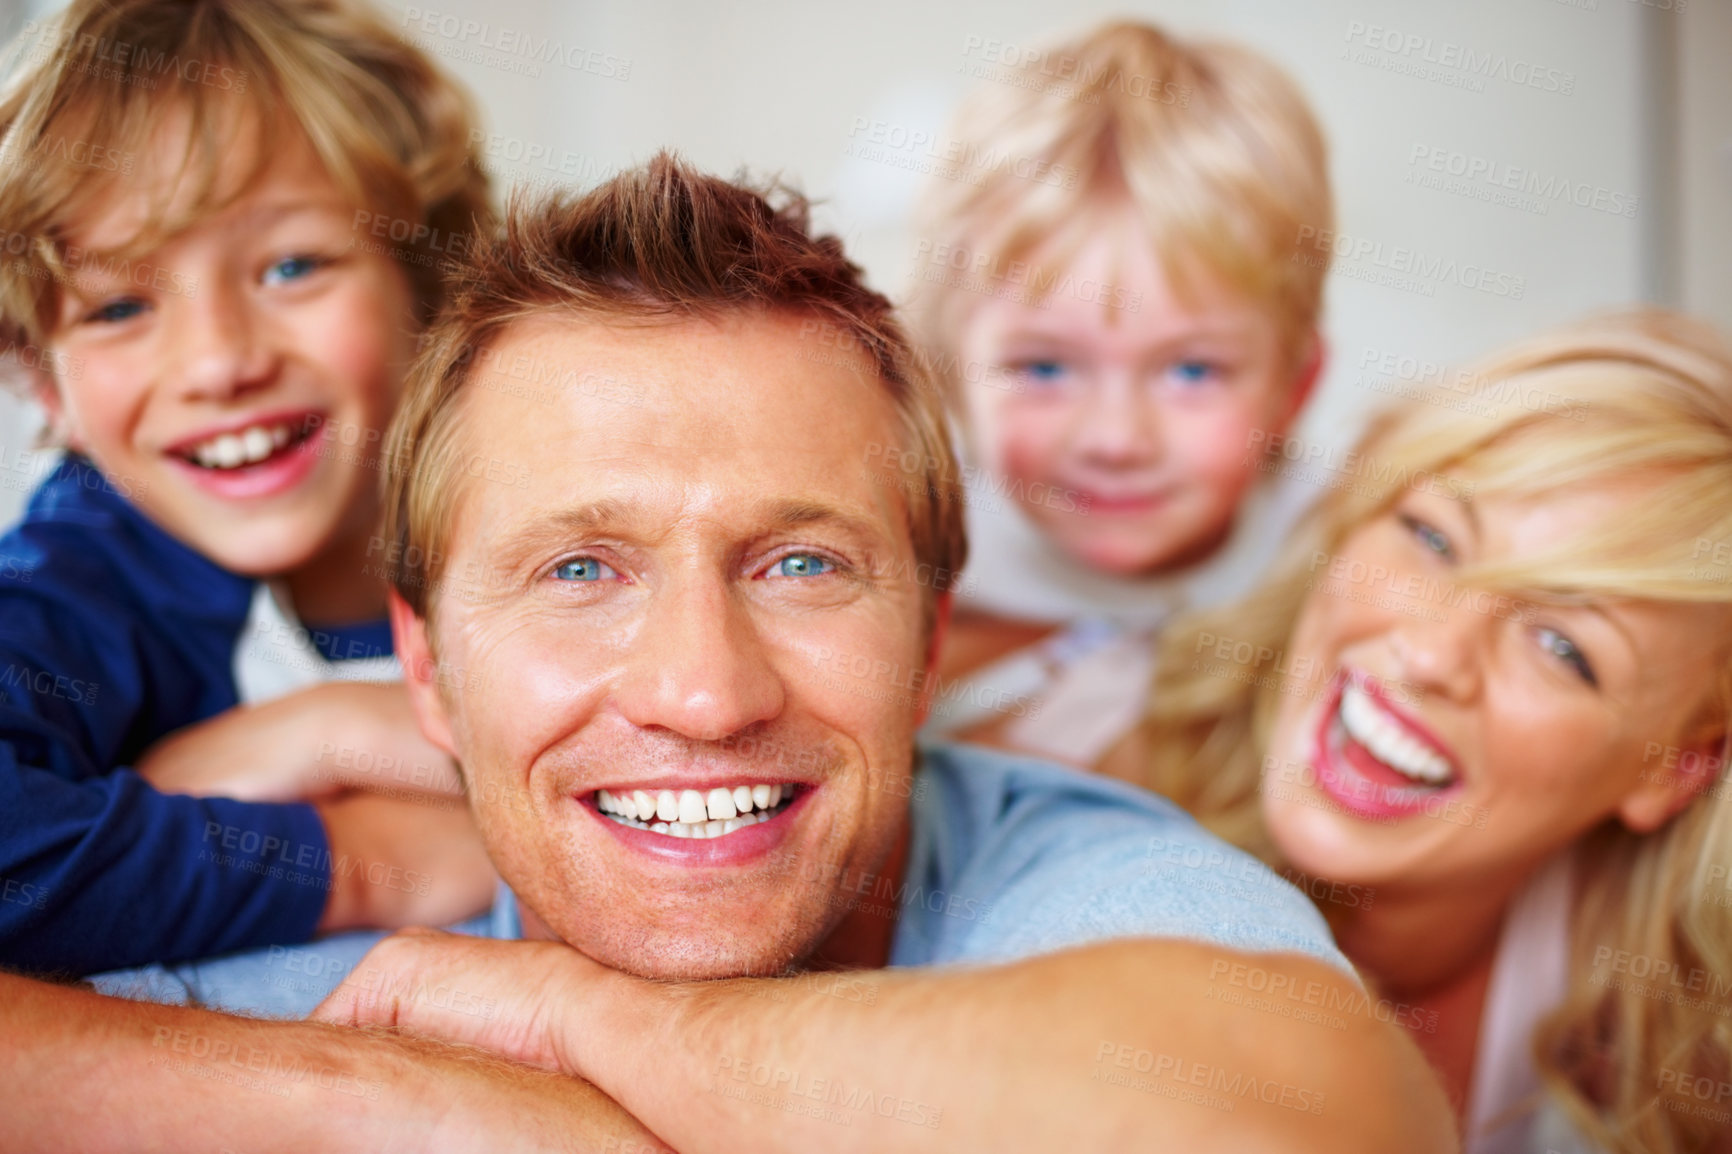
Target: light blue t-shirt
[{"x": 1008, "y": 858}]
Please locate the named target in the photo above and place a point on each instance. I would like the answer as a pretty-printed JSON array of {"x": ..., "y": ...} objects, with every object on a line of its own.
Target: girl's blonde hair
[
  {"x": 90, "y": 89},
  {"x": 1212, "y": 145},
  {"x": 1644, "y": 392}
]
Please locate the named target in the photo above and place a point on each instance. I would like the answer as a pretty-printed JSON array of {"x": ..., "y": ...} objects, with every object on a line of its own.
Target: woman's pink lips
[
  {"x": 1415, "y": 728},
  {"x": 1363, "y": 786},
  {"x": 734, "y": 849},
  {"x": 274, "y": 475}
]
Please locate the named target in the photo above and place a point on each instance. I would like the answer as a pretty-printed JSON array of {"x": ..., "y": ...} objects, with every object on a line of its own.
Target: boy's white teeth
[
  {"x": 1384, "y": 738},
  {"x": 249, "y": 446},
  {"x": 688, "y": 813}
]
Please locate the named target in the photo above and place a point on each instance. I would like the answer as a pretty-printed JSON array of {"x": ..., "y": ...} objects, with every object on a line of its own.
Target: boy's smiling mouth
[
  {"x": 262, "y": 456},
  {"x": 246, "y": 445}
]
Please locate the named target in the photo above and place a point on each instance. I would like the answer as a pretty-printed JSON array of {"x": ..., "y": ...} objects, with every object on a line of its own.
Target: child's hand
[
  {"x": 401, "y": 863},
  {"x": 314, "y": 743}
]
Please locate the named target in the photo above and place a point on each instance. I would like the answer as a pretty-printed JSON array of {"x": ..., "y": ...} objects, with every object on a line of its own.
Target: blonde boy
[
  {"x": 1108, "y": 284},
  {"x": 184, "y": 215}
]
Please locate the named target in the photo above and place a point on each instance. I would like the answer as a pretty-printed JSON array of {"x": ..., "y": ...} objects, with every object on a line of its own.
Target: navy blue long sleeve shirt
[{"x": 114, "y": 634}]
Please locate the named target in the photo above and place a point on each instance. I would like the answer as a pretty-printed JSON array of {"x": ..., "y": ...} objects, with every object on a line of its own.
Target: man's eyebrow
[
  {"x": 611, "y": 514},
  {"x": 566, "y": 522},
  {"x": 796, "y": 514}
]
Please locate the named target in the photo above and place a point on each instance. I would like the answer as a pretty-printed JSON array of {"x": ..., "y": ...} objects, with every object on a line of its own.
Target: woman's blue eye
[
  {"x": 1565, "y": 650},
  {"x": 115, "y": 311},
  {"x": 584, "y": 569},
  {"x": 1430, "y": 537},
  {"x": 292, "y": 268},
  {"x": 1194, "y": 372},
  {"x": 802, "y": 565}
]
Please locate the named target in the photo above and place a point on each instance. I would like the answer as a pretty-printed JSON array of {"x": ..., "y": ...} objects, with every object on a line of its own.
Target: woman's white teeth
[
  {"x": 689, "y": 813},
  {"x": 1383, "y": 737},
  {"x": 247, "y": 447}
]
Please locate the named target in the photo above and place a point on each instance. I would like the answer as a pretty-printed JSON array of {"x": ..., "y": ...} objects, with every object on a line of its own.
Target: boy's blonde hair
[
  {"x": 92, "y": 86},
  {"x": 1210, "y": 143},
  {"x": 1646, "y": 393}
]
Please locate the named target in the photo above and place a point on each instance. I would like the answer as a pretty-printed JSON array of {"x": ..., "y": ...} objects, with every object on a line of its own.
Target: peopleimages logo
[
  {"x": 1432, "y": 59},
  {"x": 1482, "y": 177},
  {"x": 1419, "y": 268}
]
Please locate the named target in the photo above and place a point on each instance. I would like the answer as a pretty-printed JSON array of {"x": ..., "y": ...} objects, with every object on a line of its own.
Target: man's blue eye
[
  {"x": 292, "y": 268},
  {"x": 801, "y": 565},
  {"x": 584, "y": 569},
  {"x": 115, "y": 311}
]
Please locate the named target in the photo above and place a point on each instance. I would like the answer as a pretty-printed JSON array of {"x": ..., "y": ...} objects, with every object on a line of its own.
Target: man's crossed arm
[
  {"x": 1115, "y": 1046},
  {"x": 1108, "y": 1047}
]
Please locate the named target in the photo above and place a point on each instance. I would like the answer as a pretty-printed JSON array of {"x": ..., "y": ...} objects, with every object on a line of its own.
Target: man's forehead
[{"x": 590, "y": 421}]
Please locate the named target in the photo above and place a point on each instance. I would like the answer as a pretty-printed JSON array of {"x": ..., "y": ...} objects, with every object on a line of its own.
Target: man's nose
[
  {"x": 215, "y": 348},
  {"x": 699, "y": 668}
]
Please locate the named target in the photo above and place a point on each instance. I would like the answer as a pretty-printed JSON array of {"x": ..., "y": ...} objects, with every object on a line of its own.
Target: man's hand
[
  {"x": 508, "y": 997},
  {"x": 96, "y": 1074},
  {"x": 400, "y": 863},
  {"x": 313, "y": 743}
]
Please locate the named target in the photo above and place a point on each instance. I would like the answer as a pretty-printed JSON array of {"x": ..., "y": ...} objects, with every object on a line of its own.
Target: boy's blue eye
[
  {"x": 1194, "y": 372},
  {"x": 1042, "y": 372},
  {"x": 584, "y": 569},
  {"x": 292, "y": 268},
  {"x": 802, "y": 565},
  {"x": 1565, "y": 650},
  {"x": 115, "y": 311}
]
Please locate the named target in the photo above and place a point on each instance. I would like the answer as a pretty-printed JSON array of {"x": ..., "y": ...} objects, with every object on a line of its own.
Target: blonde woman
[{"x": 1481, "y": 712}]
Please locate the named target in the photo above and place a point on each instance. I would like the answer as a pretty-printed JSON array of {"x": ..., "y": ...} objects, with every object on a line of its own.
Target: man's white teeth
[
  {"x": 247, "y": 447},
  {"x": 1383, "y": 737},
  {"x": 689, "y": 813}
]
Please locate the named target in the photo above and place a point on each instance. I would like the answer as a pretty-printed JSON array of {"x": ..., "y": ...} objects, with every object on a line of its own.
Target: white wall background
[{"x": 780, "y": 85}]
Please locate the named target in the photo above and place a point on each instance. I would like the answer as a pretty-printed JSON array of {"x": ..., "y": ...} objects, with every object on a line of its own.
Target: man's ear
[
  {"x": 1663, "y": 792},
  {"x": 934, "y": 647},
  {"x": 1304, "y": 382},
  {"x": 420, "y": 672}
]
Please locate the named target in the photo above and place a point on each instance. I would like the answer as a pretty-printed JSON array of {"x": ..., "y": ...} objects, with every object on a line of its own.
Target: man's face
[{"x": 673, "y": 579}]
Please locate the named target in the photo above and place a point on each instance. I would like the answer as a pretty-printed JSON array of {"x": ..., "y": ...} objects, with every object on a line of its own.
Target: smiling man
[{"x": 699, "y": 643}]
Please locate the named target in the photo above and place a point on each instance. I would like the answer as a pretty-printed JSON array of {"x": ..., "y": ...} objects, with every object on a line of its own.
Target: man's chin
[{"x": 688, "y": 954}]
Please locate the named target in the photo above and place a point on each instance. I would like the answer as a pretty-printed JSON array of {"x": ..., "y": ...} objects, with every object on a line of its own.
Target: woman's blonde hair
[
  {"x": 1644, "y": 392},
  {"x": 1211, "y": 144},
  {"x": 90, "y": 89}
]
